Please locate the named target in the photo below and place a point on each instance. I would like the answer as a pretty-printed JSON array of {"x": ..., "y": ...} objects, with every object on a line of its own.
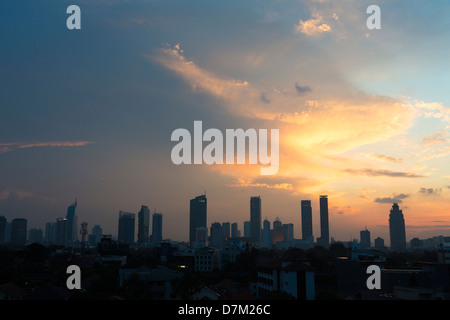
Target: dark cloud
[
  {"x": 394, "y": 199},
  {"x": 430, "y": 191},
  {"x": 302, "y": 89},
  {"x": 374, "y": 173}
]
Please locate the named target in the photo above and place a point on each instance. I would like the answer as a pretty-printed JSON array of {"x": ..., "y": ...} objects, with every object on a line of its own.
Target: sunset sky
[{"x": 363, "y": 115}]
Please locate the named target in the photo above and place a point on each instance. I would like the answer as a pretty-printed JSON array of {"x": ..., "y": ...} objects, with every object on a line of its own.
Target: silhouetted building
[
  {"x": 307, "y": 228},
  {"x": 126, "y": 227},
  {"x": 365, "y": 238},
  {"x": 2, "y": 229},
  {"x": 157, "y": 228},
  {"x": 235, "y": 233},
  {"x": 247, "y": 229},
  {"x": 143, "y": 225},
  {"x": 60, "y": 231},
  {"x": 255, "y": 219},
  {"x": 96, "y": 234},
  {"x": 324, "y": 239},
  {"x": 216, "y": 237},
  {"x": 72, "y": 224},
  {"x": 397, "y": 229},
  {"x": 18, "y": 232},
  {"x": 379, "y": 243},
  {"x": 266, "y": 234},
  {"x": 226, "y": 227},
  {"x": 197, "y": 216}
]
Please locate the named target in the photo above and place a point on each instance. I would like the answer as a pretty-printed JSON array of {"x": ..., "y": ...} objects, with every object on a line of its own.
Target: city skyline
[
  {"x": 129, "y": 227},
  {"x": 363, "y": 115}
]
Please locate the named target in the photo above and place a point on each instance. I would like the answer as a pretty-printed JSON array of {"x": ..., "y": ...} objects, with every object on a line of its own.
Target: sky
[{"x": 363, "y": 114}]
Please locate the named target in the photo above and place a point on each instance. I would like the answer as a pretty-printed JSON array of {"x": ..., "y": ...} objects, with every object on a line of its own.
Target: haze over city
[{"x": 363, "y": 114}]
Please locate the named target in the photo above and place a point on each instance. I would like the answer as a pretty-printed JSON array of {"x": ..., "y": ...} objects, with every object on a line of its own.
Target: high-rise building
[
  {"x": 324, "y": 239},
  {"x": 216, "y": 235},
  {"x": 157, "y": 228},
  {"x": 365, "y": 239},
  {"x": 397, "y": 229},
  {"x": 247, "y": 229},
  {"x": 307, "y": 228},
  {"x": 72, "y": 224},
  {"x": 255, "y": 219},
  {"x": 288, "y": 232},
  {"x": 234, "y": 230},
  {"x": 126, "y": 227},
  {"x": 379, "y": 243},
  {"x": 266, "y": 234},
  {"x": 201, "y": 237},
  {"x": 226, "y": 227},
  {"x": 18, "y": 232},
  {"x": 60, "y": 231},
  {"x": 143, "y": 225},
  {"x": 96, "y": 234},
  {"x": 2, "y": 229},
  {"x": 197, "y": 216}
]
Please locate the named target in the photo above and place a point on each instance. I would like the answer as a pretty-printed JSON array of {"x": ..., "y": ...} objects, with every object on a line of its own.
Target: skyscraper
[
  {"x": 18, "y": 232},
  {"x": 365, "y": 238},
  {"x": 266, "y": 234},
  {"x": 143, "y": 225},
  {"x": 234, "y": 230},
  {"x": 255, "y": 219},
  {"x": 72, "y": 224},
  {"x": 96, "y": 233},
  {"x": 126, "y": 227},
  {"x": 307, "y": 228},
  {"x": 157, "y": 228},
  {"x": 216, "y": 237},
  {"x": 60, "y": 231},
  {"x": 324, "y": 239},
  {"x": 397, "y": 229},
  {"x": 197, "y": 216}
]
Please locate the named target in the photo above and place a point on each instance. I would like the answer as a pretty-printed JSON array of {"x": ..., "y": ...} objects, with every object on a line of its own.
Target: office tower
[
  {"x": 365, "y": 239},
  {"x": 143, "y": 225},
  {"x": 157, "y": 228},
  {"x": 2, "y": 229},
  {"x": 216, "y": 238},
  {"x": 255, "y": 219},
  {"x": 277, "y": 231},
  {"x": 235, "y": 233},
  {"x": 379, "y": 243},
  {"x": 247, "y": 229},
  {"x": 201, "y": 237},
  {"x": 324, "y": 239},
  {"x": 397, "y": 229},
  {"x": 18, "y": 232},
  {"x": 197, "y": 216},
  {"x": 226, "y": 230},
  {"x": 35, "y": 236},
  {"x": 96, "y": 234},
  {"x": 60, "y": 231},
  {"x": 72, "y": 224},
  {"x": 307, "y": 228},
  {"x": 126, "y": 227},
  {"x": 266, "y": 234},
  {"x": 288, "y": 232}
]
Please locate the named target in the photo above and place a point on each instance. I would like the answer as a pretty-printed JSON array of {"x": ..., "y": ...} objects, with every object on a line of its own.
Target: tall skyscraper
[
  {"x": 307, "y": 228},
  {"x": 197, "y": 216},
  {"x": 266, "y": 235},
  {"x": 365, "y": 238},
  {"x": 72, "y": 224},
  {"x": 157, "y": 228},
  {"x": 255, "y": 219},
  {"x": 18, "y": 232},
  {"x": 126, "y": 227},
  {"x": 216, "y": 237},
  {"x": 234, "y": 230},
  {"x": 143, "y": 225},
  {"x": 397, "y": 229},
  {"x": 60, "y": 231},
  {"x": 324, "y": 239}
]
